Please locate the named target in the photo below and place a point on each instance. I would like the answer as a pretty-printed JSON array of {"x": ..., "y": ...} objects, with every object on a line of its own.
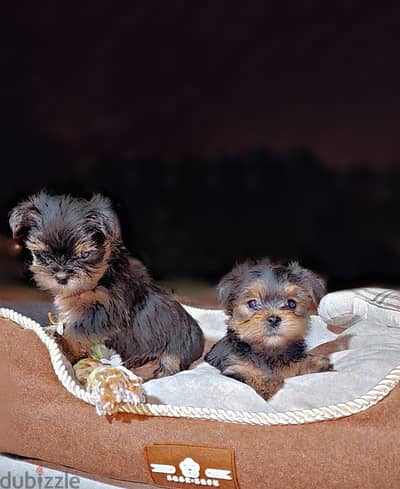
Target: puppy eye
[
  {"x": 291, "y": 304},
  {"x": 253, "y": 304},
  {"x": 85, "y": 254}
]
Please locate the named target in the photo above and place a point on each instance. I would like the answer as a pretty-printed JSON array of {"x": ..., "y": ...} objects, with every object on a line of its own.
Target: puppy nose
[
  {"x": 273, "y": 321},
  {"x": 62, "y": 278}
]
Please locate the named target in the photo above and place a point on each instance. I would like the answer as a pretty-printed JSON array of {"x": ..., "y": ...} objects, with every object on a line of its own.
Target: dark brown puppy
[
  {"x": 103, "y": 296},
  {"x": 268, "y": 308}
]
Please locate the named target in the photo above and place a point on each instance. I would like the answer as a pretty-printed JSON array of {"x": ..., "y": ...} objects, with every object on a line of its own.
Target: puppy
[
  {"x": 268, "y": 308},
  {"x": 101, "y": 295}
]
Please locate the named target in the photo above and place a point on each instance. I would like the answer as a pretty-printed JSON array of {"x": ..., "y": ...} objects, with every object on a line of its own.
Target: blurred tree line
[{"x": 191, "y": 217}]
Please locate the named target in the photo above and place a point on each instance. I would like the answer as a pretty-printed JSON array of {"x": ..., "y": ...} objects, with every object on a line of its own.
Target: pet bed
[{"x": 40, "y": 411}]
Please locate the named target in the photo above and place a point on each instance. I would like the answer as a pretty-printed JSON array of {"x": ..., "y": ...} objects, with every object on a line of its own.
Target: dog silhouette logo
[{"x": 190, "y": 468}]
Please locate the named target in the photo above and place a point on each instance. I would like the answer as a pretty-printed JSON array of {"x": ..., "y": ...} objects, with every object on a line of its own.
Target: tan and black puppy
[
  {"x": 101, "y": 295},
  {"x": 268, "y": 308}
]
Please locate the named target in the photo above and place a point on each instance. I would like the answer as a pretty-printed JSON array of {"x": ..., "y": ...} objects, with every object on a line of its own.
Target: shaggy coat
[
  {"x": 100, "y": 293},
  {"x": 268, "y": 308}
]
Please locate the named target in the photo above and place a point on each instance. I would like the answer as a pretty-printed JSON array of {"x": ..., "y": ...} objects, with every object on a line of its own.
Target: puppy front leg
[
  {"x": 265, "y": 385},
  {"x": 309, "y": 365},
  {"x": 84, "y": 326},
  {"x": 148, "y": 370},
  {"x": 74, "y": 348}
]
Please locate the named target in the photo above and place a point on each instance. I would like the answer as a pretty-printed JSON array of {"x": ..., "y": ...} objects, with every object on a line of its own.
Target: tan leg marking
[
  {"x": 339, "y": 344},
  {"x": 74, "y": 348},
  {"x": 265, "y": 385},
  {"x": 311, "y": 364},
  {"x": 169, "y": 365},
  {"x": 148, "y": 370}
]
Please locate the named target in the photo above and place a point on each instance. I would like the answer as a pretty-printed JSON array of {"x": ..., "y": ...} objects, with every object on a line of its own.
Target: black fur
[
  {"x": 235, "y": 282},
  {"x": 229, "y": 349},
  {"x": 254, "y": 350},
  {"x": 129, "y": 312},
  {"x": 153, "y": 324}
]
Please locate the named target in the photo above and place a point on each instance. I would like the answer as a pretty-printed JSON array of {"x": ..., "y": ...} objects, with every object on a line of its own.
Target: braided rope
[{"x": 59, "y": 362}]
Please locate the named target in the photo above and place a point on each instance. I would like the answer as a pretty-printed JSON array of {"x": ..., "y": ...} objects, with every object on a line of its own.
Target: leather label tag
[{"x": 184, "y": 466}]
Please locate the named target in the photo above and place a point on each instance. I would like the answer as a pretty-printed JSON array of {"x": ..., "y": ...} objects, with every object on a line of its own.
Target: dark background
[{"x": 221, "y": 130}]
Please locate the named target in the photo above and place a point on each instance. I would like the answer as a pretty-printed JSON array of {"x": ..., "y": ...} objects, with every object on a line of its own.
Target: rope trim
[{"x": 337, "y": 411}]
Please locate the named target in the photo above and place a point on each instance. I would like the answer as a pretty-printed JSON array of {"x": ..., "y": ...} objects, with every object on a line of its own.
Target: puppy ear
[
  {"x": 228, "y": 286},
  {"x": 100, "y": 211},
  {"x": 23, "y": 218},
  {"x": 310, "y": 280}
]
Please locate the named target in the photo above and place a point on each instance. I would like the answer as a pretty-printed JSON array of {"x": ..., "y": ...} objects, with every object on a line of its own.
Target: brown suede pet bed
[{"x": 40, "y": 420}]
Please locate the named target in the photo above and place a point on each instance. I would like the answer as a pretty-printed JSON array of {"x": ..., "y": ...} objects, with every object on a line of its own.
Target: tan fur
[
  {"x": 84, "y": 246},
  {"x": 265, "y": 386},
  {"x": 100, "y": 294},
  {"x": 252, "y": 329},
  {"x": 255, "y": 291},
  {"x": 148, "y": 370},
  {"x": 76, "y": 348},
  {"x": 311, "y": 364},
  {"x": 338, "y": 344},
  {"x": 169, "y": 365},
  {"x": 268, "y": 310},
  {"x": 74, "y": 289},
  {"x": 292, "y": 290},
  {"x": 70, "y": 307},
  {"x": 70, "y": 310}
]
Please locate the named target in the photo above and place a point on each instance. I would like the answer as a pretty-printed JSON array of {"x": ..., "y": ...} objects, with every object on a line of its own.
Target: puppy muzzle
[
  {"x": 273, "y": 321},
  {"x": 62, "y": 278}
]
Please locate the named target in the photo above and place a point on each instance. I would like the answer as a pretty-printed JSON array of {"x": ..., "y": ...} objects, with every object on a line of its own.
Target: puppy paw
[
  {"x": 269, "y": 388},
  {"x": 321, "y": 364},
  {"x": 148, "y": 370}
]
